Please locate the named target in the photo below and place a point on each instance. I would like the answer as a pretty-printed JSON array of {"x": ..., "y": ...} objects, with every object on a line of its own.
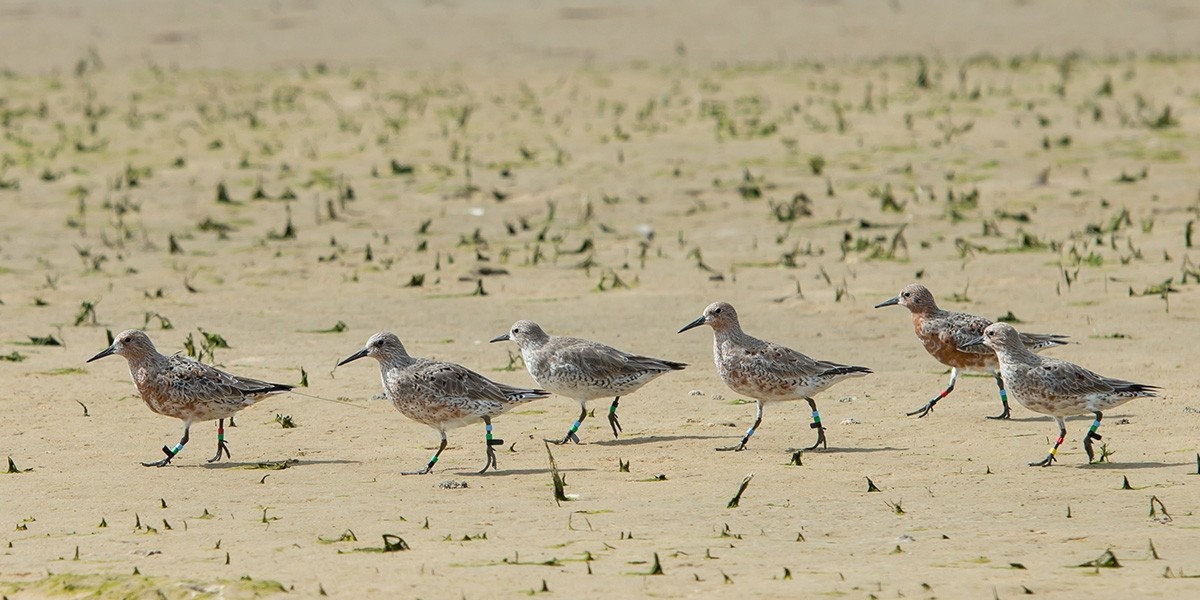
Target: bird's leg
[
  {"x": 571, "y": 437},
  {"x": 1003, "y": 396},
  {"x": 928, "y": 408},
  {"x": 221, "y": 447},
  {"x": 749, "y": 432},
  {"x": 429, "y": 467},
  {"x": 816, "y": 424},
  {"x": 1062, "y": 433},
  {"x": 1092, "y": 435},
  {"x": 171, "y": 452},
  {"x": 491, "y": 452},
  {"x": 612, "y": 417}
]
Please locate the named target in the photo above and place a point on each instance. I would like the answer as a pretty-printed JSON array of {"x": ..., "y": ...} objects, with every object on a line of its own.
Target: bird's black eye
[
  {"x": 516, "y": 330},
  {"x": 906, "y": 294},
  {"x": 716, "y": 311},
  {"x": 991, "y": 334}
]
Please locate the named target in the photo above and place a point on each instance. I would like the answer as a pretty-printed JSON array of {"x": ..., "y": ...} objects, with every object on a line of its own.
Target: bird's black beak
[
  {"x": 889, "y": 302},
  {"x": 975, "y": 341},
  {"x": 698, "y": 322},
  {"x": 354, "y": 357},
  {"x": 105, "y": 352},
  {"x": 500, "y": 338}
]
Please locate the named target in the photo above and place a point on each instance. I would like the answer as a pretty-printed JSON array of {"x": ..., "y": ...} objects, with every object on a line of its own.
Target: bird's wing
[
  {"x": 451, "y": 380},
  {"x": 1071, "y": 379},
  {"x": 787, "y": 364},
  {"x": 1041, "y": 341},
  {"x": 961, "y": 329},
  {"x": 200, "y": 380},
  {"x": 596, "y": 361}
]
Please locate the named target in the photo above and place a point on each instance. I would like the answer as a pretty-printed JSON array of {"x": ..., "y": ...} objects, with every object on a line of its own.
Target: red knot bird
[
  {"x": 583, "y": 370},
  {"x": 944, "y": 332},
  {"x": 1056, "y": 387},
  {"x": 185, "y": 389},
  {"x": 440, "y": 394},
  {"x": 766, "y": 371}
]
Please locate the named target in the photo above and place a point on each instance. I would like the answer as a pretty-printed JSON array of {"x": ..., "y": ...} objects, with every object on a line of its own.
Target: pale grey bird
[
  {"x": 766, "y": 371},
  {"x": 1056, "y": 387},
  {"x": 943, "y": 333},
  {"x": 185, "y": 389},
  {"x": 583, "y": 370},
  {"x": 442, "y": 395}
]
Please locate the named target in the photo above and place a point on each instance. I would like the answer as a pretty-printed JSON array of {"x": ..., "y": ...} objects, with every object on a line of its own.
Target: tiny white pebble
[
  {"x": 718, "y": 397},
  {"x": 695, "y": 393},
  {"x": 850, "y": 421}
]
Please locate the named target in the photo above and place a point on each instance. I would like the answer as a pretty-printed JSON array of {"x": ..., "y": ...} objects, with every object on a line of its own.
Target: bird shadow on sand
[
  {"x": 1108, "y": 419},
  {"x": 503, "y": 472},
  {"x": 271, "y": 465},
  {"x": 653, "y": 439},
  {"x": 836, "y": 450},
  {"x": 1106, "y": 466}
]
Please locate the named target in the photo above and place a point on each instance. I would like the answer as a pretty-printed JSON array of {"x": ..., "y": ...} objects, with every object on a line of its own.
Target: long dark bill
[
  {"x": 889, "y": 302},
  {"x": 698, "y": 322},
  {"x": 99, "y": 355},
  {"x": 353, "y": 357}
]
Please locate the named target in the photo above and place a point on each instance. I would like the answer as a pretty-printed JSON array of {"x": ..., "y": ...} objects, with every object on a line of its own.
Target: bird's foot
[
  {"x": 491, "y": 457},
  {"x": 1002, "y": 416},
  {"x": 1045, "y": 462},
  {"x": 615, "y": 424},
  {"x": 570, "y": 437},
  {"x": 820, "y": 440},
  {"x": 1087, "y": 444},
  {"x": 164, "y": 462},
  {"x": 221, "y": 447},
  {"x": 736, "y": 448},
  {"x": 924, "y": 410},
  {"x": 428, "y": 469}
]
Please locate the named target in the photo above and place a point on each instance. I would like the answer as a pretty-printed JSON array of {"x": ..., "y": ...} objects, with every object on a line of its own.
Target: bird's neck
[{"x": 1018, "y": 356}]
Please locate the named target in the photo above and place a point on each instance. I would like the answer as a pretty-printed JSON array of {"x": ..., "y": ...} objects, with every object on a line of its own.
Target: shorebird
[
  {"x": 442, "y": 395},
  {"x": 766, "y": 371},
  {"x": 944, "y": 332},
  {"x": 185, "y": 389},
  {"x": 583, "y": 370},
  {"x": 1056, "y": 387}
]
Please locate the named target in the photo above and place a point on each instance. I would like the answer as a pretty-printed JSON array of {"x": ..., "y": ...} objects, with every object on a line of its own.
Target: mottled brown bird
[
  {"x": 766, "y": 371},
  {"x": 1056, "y": 387},
  {"x": 944, "y": 333},
  {"x": 583, "y": 370},
  {"x": 442, "y": 395},
  {"x": 185, "y": 389}
]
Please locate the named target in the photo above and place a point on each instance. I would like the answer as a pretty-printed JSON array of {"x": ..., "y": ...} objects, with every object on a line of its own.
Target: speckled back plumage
[
  {"x": 765, "y": 370},
  {"x": 1052, "y": 386},
  {"x": 944, "y": 333},
  {"x": 583, "y": 369},
  {"x": 441, "y": 394},
  {"x": 185, "y": 389}
]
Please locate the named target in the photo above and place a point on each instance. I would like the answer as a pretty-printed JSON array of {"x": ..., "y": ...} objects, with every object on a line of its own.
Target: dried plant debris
[{"x": 737, "y": 498}]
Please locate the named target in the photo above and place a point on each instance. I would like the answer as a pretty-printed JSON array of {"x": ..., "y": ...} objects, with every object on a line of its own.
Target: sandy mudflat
[{"x": 544, "y": 140}]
